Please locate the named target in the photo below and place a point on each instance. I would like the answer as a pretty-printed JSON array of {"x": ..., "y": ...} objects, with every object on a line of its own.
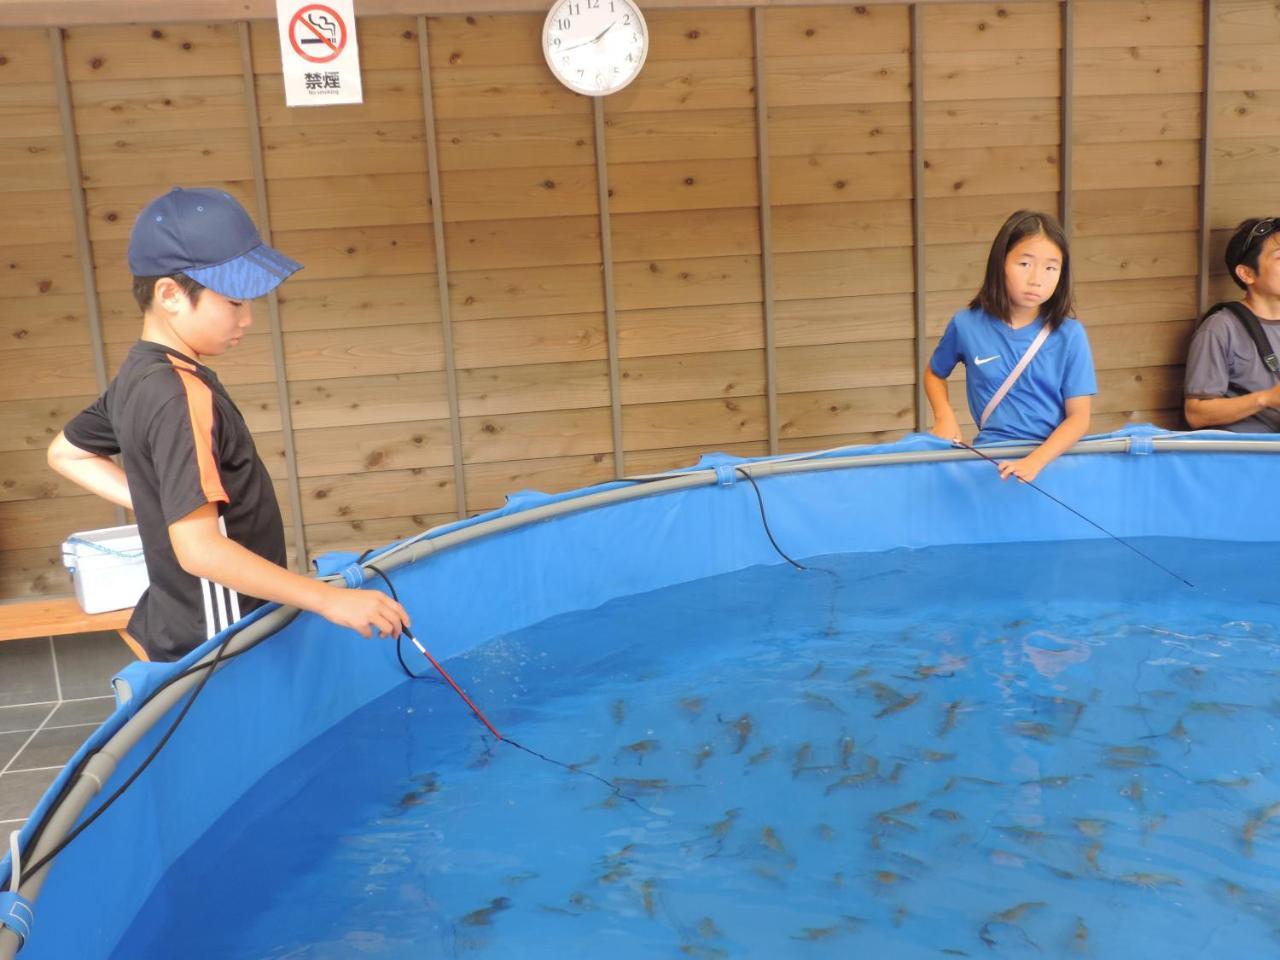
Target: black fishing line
[
  {"x": 765, "y": 520},
  {"x": 616, "y": 790},
  {"x": 1066, "y": 506}
]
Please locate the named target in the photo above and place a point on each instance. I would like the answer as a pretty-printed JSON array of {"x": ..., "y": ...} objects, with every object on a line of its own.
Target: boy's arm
[
  {"x": 96, "y": 473},
  {"x": 1204, "y": 412},
  {"x": 204, "y": 552},
  {"x": 1074, "y": 426},
  {"x": 945, "y": 424}
]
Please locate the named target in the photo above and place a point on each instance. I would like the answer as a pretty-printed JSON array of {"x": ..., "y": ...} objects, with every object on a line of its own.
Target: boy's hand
[
  {"x": 1026, "y": 469},
  {"x": 364, "y": 611}
]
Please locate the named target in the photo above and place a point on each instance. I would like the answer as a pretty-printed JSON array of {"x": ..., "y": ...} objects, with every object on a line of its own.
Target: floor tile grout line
[
  {"x": 45, "y": 703},
  {"x": 57, "y": 680},
  {"x": 5, "y": 768},
  {"x": 56, "y": 726}
]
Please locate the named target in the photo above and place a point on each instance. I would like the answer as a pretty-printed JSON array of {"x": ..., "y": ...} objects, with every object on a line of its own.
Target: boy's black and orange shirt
[{"x": 183, "y": 443}]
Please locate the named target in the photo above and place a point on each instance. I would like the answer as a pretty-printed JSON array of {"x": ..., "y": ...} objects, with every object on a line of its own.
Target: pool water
[{"x": 995, "y": 751}]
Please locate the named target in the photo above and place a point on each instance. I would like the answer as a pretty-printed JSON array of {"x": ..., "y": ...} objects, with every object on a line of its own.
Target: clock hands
[{"x": 595, "y": 39}]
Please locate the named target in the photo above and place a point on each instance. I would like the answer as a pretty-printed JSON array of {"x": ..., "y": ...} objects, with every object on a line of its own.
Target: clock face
[{"x": 595, "y": 47}]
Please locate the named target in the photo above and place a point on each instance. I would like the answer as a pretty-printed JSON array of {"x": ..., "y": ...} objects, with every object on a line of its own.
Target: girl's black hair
[
  {"x": 994, "y": 296},
  {"x": 144, "y": 289}
]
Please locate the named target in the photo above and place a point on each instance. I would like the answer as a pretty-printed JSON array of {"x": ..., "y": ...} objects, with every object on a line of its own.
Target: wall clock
[{"x": 595, "y": 47}]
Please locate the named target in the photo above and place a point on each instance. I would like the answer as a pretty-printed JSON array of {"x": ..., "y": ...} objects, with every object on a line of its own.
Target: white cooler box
[{"x": 106, "y": 567}]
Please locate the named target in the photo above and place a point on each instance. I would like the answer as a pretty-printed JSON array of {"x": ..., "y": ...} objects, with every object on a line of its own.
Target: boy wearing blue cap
[{"x": 207, "y": 513}]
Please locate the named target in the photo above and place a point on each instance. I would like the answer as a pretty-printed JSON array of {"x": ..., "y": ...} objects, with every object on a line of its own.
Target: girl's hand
[
  {"x": 947, "y": 428},
  {"x": 1026, "y": 469}
]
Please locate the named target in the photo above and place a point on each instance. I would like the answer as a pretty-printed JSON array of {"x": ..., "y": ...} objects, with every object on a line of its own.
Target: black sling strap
[{"x": 1253, "y": 326}]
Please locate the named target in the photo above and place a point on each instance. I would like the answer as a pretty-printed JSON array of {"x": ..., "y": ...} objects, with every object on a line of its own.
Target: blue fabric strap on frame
[
  {"x": 726, "y": 474},
  {"x": 1140, "y": 446},
  {"x": 17, "y": 914},
  {"x": 354, "y": 575}
]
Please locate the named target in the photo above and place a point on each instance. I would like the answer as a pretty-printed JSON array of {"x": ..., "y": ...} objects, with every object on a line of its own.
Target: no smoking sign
[{"x": 318, "y": 52}]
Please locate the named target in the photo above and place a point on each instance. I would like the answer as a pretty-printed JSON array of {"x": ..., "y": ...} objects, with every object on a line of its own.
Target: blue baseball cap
[{"x": 207, "y": 235}]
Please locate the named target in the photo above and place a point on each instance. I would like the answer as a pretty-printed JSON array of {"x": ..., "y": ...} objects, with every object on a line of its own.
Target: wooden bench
[{"x": 58, "y": 617}]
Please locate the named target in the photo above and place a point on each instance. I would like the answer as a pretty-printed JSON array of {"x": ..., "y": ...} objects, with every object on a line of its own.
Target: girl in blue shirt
[{"x": 1027, "y": 288}]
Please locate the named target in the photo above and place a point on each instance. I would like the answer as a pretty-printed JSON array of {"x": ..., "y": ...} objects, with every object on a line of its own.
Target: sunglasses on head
[{"x": 1260, "y": 229}]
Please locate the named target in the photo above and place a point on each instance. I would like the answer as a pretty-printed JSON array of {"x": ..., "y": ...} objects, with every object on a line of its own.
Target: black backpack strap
[{"x": 1253, "y": 326}]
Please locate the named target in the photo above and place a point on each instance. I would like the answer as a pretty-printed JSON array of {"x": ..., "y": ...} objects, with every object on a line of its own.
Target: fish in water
[
  {"x": 1080, "y": 937},
  {"x": 899, "y": 706},
  {"x": 704, "y": 753},
  {"x": 821, "y": 702},
  {"x": 1090, "y": 827},
  {"x": 707, "y": 929},
  {"x": 692, "y": 705},
  {"x": 1033, "y": 729},
  {"x": 719, "y": 830},
  {"x": 484, "y": 916},
  {"x": 581, "y": 901},
  {"x": 1055, "y": 781},
  {"x": 648, "y": 900},
  {"x": 887, "y": 878},
  {"x": 949, "y": 717},
  {"x": 824, "y": 832},
  {"x": 703, "y": 952},
  {"x": 847, "y": 747},
  {"x": 760, "y": 756},
  {"x": 631, "y": 783},
  {"x": 948, "y": 666},
  {"x": 515, "y": 879},
  {"x": 816, "y": 671},
  {"x": 614, "y": 874},
  {"x": 1122, "y": 758},
  {"x": 575, "y": 767},
  {"x": 814, "y": 934},
  {"x": 1091, "y": 856},
  {"x": 942, "y": 813},
  {"x": 871, "y": 771},
  {"x": 936, "y": 756},
  {"x": 1024, "y": 835},
  {"x": 770, "y": 838},
  {"x": 742, "y": 729},
  {"x": 1150, "y": 881},
  {"x": 640, "y": 749},
  {"x": 618, "y": 710},
  {"x": 1135, "y": 792},
  {"x": 1255, "y": 823},
  {"x": 883, "y": 693},
  {"x": 801, "y": 759},
  {"x": 1009, "y": 918}
]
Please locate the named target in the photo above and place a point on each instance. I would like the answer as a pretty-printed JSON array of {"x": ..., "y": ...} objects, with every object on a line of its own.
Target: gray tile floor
[{"x": 53, "y": 692}]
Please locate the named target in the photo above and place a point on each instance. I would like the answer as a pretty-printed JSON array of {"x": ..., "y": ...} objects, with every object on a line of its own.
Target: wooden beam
[
  {"x": 917, "y": 212},
  {"x": 766, "y": 233},
  {"x": 610, "y": 288},
  {"x": 66, "y": 13},
  {"x": 442, "y": 267},
  {"x": 273, "y": 301}
]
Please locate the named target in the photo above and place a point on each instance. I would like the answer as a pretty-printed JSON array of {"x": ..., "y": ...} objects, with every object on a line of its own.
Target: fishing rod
[
  {"x": 1067, "y": 506},
  {"x": 501, "y": 738}
]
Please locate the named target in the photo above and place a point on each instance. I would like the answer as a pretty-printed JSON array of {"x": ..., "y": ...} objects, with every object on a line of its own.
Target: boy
[
  {"x": 207, "y": 513},
  {"x": 1229, "y": 383}
]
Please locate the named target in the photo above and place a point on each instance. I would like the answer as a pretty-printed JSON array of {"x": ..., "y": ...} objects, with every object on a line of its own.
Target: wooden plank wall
[
  {"x": 1138, "y": 81},
  {"x": 363, "y": 329},
  {"x": 1245, "y": 155}
]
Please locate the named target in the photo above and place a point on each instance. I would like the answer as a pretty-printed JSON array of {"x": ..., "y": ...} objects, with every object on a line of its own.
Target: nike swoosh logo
[{"x": 981, "y": 360}]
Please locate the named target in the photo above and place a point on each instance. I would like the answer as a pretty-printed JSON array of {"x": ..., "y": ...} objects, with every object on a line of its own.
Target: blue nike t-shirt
[{"x": 989, "y": 349}]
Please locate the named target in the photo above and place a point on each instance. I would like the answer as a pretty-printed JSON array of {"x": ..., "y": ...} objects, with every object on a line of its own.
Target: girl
[{"x": 1029, "y": 369}]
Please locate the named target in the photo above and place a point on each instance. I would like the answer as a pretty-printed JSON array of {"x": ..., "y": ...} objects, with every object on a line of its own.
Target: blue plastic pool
[
  {"x": 985, "y": 728},
  {"x": 1030, "y": 750}
]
